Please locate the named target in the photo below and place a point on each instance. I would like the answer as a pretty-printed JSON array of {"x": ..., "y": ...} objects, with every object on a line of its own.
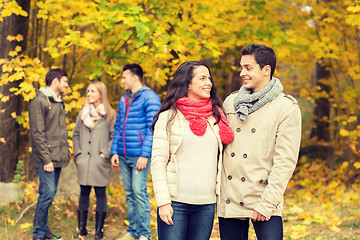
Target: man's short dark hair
[
  {"x": 263, "y": 55},
  {"x": 54, "y": 73},
  {"x": 134, "y": 69}
]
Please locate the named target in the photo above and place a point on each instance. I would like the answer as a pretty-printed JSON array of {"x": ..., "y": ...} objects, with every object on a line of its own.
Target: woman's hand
[{"x": 165, "y": 213}]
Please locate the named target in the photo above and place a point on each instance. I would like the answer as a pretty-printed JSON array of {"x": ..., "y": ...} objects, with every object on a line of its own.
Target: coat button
[
  {"x": 244, "y": 155},
  {"x": 261, "y": 181},
  {"x": 89, "y": 142},
  {"x": 238, "y": 130},
  {"x": 227, "y": 201},
  {"x": 88, "y": 153},
  {"x": 253, "y": 130},
  {"x": 232, "y": 154},
  {"x": 243, "y": 179},
  {"x": 229, "y": 177},
  {"x": 241, "y": 204}
]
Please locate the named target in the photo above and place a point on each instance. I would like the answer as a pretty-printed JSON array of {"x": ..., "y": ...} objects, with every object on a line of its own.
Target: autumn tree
[
  {"x": 94, "y": 39},
  {"x": 335, "y": 27},
  {"x": 13, "y": 37}
]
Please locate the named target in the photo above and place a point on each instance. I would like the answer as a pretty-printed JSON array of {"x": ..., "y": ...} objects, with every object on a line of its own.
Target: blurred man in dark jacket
[{"x": 49, "y": 144}]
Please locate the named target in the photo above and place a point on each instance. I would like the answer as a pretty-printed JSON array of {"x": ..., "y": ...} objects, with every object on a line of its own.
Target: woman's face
[
  {"x": 200, "y": 85},
  {"x": 93, "y": 95}
]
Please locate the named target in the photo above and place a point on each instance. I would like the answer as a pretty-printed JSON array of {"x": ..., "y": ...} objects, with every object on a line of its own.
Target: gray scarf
[{"x": 247, "y": 102}]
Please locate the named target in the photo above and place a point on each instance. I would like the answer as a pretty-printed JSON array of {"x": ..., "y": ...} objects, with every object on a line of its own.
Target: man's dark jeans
[
  {"x": 48, "y": 183},
  {"x": 232, "y": 228}
]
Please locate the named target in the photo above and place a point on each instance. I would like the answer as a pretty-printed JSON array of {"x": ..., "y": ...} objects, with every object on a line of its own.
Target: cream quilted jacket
[{"x": 166, "y": 141}]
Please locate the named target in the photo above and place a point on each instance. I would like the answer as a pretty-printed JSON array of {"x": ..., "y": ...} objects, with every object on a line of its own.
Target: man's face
[
  {"x": 61, "y": 84},
  {"x": 254, "y": 77},
  {"x": 128, "y": 80}
]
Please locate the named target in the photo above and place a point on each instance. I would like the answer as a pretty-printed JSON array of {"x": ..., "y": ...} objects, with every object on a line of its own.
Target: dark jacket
[
  {"x": 132, "y": 135},
  {"x": 89, "y": 144},
  {"x": 49, "y": 136}
]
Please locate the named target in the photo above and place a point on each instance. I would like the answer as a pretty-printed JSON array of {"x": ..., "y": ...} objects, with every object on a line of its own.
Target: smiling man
[
  {"x": 49, "y": 144},
  {"x": 258, "y": 164},
  {"x": 131, "y": 148}
]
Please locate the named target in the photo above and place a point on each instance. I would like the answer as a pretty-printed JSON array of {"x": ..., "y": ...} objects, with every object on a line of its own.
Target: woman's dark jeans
[{"x": 191, "y": 222}]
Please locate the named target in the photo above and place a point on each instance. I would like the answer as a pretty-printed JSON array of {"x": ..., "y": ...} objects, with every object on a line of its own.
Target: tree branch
[{"x": 23, "y": 212}]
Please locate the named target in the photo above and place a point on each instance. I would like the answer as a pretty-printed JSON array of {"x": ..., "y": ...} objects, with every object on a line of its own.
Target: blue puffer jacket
[{"x": 132, "y": 136}]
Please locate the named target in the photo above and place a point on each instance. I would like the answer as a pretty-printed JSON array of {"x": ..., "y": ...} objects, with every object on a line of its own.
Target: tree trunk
[
  {"x": 321, "y": 115},
  {"x": 9, "y": 129}
]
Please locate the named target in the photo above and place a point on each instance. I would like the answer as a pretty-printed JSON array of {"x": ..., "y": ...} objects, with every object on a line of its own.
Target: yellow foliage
[
  {"x": 344, "y": 132},
  {"x": 11, "y": 7},
  {"x": 344, "y": 165},
  {"x": 25, "y": 225},
  {"x": 352, "y": 119},
  {"x": 354, "y": 9},
  {"x": 357, "y": 165},
  {"x": 296, "y": 210},
  {"x": 334, "y": 228},
  {"x": 328, "y": 207},
  {"x": 17, "y": 38},
  {"x": 335, "y": 221},
  {"x": 298, "y": 231},
  {"x": 10, "y": 221},
  {"x": 5, "y": 98}
]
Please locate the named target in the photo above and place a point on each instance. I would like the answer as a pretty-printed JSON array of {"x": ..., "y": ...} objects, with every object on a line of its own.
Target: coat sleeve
[
  {"x": 111, "y": 134},
  {"x": 37, "y": 130},
  {"x": 76, "y": 136},
  {"x": 286, "y": 153},
  {"x": 116, "y": 134},
  {"x": 151, "y": 107},
  {"x": 159, "y": 160}
]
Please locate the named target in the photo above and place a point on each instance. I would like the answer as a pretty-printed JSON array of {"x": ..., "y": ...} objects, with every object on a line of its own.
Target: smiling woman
[
  {"x": 93, "y": 95},
  {"x": 201, "y": 84},
  {"x": 189, "y": 131},
  {"x": 92, "y": 140}
]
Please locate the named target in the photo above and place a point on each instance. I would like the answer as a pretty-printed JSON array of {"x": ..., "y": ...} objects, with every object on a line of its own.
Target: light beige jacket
[
  {"x": 258, "y": 164},
  {"x": 166, "y": 141}
]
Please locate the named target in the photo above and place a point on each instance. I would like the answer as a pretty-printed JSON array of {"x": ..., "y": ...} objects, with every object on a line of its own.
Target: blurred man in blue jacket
[{"x": 131, "y": 148}]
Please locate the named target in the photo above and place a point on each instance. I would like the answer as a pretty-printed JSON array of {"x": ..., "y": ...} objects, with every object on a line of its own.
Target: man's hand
[
  {"x": 258, "y": 217},
  {"x": 141, "y": 163},
  {"x": 49, "y": 167},
  {"x": 115, "y": 160},
  {"x": 165, "y": 213}
]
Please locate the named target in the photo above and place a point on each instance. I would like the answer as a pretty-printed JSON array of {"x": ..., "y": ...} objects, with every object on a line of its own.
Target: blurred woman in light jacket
[
  {"x": 189, "y": 131},
  {"x": 92, "y": 139}
]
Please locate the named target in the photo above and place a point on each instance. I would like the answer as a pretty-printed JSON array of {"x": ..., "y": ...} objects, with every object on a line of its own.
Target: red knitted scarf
[{"x": 197, "y": 111}]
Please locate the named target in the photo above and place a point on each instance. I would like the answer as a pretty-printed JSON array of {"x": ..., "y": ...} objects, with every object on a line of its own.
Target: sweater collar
[{"x": 48, "y": 92}]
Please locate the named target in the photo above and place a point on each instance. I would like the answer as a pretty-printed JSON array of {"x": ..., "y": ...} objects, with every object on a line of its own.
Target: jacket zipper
[
  {"x": 126, "y": 115},
  {"x": 141, "y": 140}
]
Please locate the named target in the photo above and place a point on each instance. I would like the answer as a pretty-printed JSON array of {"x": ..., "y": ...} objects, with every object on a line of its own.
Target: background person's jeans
[
  {"x": 191, "y": 222},
  {"x": 137, "y": 198},
  {"x": 232, "y": 228},
  {"x": 48, "y": 183}
]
